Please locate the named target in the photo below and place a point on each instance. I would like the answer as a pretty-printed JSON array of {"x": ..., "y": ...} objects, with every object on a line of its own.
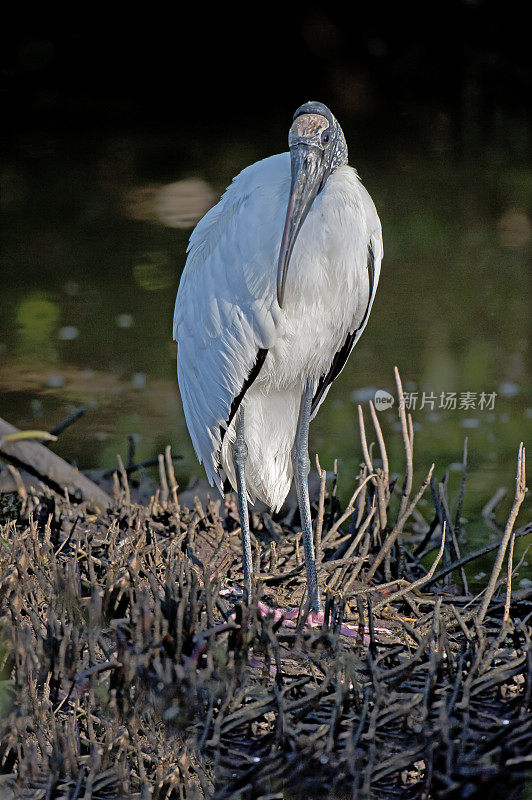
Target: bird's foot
[{"x": 293, "y": 617}]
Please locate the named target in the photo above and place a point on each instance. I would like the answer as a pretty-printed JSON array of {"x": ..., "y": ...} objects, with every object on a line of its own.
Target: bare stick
[
  {"x": 462, "y": 490},
  {"x": 446, "y": 515},
  {"x": 411, "y": 432},
  {"x": 421, "y": 581},
  {"x": 171, "y": 473},
  {"x": 19, "y": 483},
  {"x": 387, "y": 546},
  {"x": 125, "y": 482},
  {"x": 361, "y": 502},
  {"x": 520, "y": 491},
  {"x": 162, "y": 479},
  {"x": 383, "y": 486},
  {"x": 492, "y": 504},
  {"x": 347, "y": 559},
  {"x": 407, "y": 441},
  {"x": 524, "y": 531},
  {"x": 362, "y": 557},
  {"x": 506, "y": 614},
  {"x": 65, "y": 423},
  {"x": 348, "y": 511},
  {"x": 363, "y": 440},
  {"x": 380, "y": 439},
  {"x": 52, "y": 470}
]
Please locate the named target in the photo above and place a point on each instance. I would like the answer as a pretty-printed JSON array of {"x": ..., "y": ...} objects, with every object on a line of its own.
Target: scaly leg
[
  {"x": 301, "y": 464},
  {"x": 240, "y": 454}
]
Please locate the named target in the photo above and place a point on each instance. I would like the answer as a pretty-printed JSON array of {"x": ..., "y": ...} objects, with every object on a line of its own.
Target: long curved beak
[{"x": 307, "y": 178}]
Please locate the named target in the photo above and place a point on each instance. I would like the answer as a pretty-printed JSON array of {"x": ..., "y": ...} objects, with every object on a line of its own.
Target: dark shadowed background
[{"x": 117, "y": 137}]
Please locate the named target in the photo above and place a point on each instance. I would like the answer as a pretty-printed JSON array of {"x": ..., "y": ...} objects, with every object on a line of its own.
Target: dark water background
[{"x": 99, "y": 197}]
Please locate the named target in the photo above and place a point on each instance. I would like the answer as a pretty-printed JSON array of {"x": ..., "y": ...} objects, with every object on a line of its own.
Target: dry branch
[{"x": 52, "y": 470}]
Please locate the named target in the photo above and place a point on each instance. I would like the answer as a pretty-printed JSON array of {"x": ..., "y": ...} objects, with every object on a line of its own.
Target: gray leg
[
  {"x": 301, "y": 463},
  {"x": 240, "y": 454}
]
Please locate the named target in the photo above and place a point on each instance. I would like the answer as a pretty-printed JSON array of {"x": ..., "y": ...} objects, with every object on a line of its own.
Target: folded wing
[{"x": 225, "y": 314}]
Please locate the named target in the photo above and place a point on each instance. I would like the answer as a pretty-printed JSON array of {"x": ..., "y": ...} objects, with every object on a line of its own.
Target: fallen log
[{"x": 55, "y": 472}]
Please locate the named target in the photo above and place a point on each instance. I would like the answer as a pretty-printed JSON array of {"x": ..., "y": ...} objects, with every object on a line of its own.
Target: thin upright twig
[
  {"x": 163, "y": 480},
  {"x": 380, "y": 439},
  {"x": 507, "y": 601},
  {"x": 125, "y": 482},
  {"x": 390, "y": 539},
  {"x": 171, "y": 474},
  {"x": 363, "y": 440},
  {"x": 462, "y": 490},
  {"x": 348, "y": 511},
  {"x": 520, "y": 492},
  {"x": 407, "y": 442}
]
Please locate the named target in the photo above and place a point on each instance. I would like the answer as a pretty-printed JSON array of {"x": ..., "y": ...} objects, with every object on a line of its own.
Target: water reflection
[
  {"x": 178, "y": 205},
  {"x": 90, "y": 268},
  {"x": 36, "y": 322}
]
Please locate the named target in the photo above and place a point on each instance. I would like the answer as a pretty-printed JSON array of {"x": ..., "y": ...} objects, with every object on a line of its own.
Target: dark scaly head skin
[
  {"x": 317, "y": 147},
  {"x": 324, "y": 131}
]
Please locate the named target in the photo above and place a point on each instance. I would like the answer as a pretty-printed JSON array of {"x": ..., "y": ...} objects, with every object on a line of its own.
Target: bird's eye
[{"x": 325, "y": 138}]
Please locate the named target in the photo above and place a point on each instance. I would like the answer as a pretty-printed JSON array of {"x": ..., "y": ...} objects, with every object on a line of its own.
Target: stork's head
[{"x": 317, "y": 147}]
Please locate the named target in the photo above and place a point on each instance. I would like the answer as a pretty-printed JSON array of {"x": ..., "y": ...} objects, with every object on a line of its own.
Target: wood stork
[{"x": 277, "y": 288}]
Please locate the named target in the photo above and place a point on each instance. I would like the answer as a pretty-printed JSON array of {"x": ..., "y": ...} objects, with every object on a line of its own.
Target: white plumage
[{"x": 227, "y": 311}]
